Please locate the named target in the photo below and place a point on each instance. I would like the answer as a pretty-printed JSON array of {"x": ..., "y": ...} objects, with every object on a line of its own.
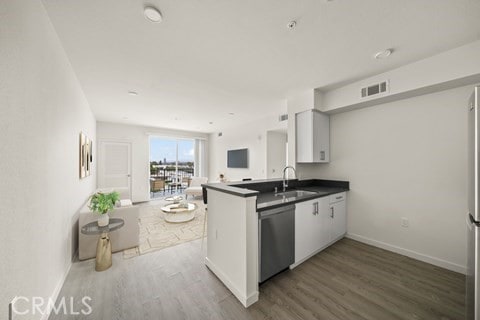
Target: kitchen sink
[
  {"x": 294, "y": 194},
  {"x": 270, "y": 198}
]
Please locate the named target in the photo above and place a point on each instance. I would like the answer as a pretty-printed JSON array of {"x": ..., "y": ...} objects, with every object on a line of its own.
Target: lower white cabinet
[
  {"x": 338, "y": 216},
  {"x": 311, "y": 222},
  {"x": 318, "y": 223}
]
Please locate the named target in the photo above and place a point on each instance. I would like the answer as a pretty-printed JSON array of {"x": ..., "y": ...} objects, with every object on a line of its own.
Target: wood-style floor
[{"x": 349, "y": 280}]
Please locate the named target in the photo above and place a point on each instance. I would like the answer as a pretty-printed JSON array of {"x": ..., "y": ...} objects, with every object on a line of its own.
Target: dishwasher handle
[{"x": 271, "y": 212}]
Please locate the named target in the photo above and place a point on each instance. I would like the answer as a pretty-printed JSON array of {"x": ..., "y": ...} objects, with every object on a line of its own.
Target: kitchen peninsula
[{"x": 233, "y": 225}]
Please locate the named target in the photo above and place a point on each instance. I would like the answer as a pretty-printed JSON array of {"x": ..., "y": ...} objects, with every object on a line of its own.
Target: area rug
[{"x": 157, "y": 234}]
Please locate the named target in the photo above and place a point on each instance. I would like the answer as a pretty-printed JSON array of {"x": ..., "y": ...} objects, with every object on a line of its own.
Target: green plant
[{"x": 103, "y": 202}]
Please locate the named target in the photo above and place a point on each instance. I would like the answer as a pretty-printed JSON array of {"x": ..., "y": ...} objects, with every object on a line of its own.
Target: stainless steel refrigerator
[{"x": 473, "y": 218}]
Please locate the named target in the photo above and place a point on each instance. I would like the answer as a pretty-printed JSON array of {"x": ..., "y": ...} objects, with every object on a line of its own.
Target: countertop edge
[
  {"x": 239, "y": 192},
  {"x": 306, "y": 198},
  {"x": 234, "y": 188}
]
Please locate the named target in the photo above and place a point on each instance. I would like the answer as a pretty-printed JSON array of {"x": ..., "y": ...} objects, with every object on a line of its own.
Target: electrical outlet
[{"x": 405, "y": 222}]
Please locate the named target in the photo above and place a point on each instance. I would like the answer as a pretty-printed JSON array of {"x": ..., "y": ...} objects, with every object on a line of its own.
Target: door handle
[
  {"x": 332, "y": 212},
  {"x": 315, "y": 208}
]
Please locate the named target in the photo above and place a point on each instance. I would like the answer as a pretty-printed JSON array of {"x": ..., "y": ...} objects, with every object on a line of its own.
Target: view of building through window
[{"x": 171, "y": 165}]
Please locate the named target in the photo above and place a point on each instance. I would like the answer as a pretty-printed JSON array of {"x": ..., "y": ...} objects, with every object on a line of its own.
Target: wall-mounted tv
[{"x": 237, "y": 158}]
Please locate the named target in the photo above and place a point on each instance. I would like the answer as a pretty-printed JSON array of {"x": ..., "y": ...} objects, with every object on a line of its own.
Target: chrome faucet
[{"x": 285, "y": 177}]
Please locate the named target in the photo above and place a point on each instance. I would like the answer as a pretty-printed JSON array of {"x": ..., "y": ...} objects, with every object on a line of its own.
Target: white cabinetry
[
  {"x": 318, "y": 223},
  {"x": 338, "y": 216},
  {"x": 311, "y": 228},
  {"x": 312, "y": 137}
]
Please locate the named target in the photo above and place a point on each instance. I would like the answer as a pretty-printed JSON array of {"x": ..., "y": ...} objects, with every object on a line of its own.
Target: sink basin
[
  {"x": 295, "y": 193},
  {"x": 269, "y": 198}
]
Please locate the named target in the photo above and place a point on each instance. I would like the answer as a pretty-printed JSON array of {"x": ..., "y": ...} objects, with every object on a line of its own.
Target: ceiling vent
[
  {"x": 375, "y": 89},
  {"x": 220, "y": 134},
  {"x": 283, "y": 117}
]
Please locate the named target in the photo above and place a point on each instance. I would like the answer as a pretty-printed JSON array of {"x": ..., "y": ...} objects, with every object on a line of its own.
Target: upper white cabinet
[{"x": 312, "y": 136}]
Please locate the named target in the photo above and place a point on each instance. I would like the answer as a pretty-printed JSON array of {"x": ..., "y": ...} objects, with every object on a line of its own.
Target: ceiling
[{"x": 209, "y": 58}]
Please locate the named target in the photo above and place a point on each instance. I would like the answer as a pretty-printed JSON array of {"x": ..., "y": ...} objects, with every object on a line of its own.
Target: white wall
[
  {"x": 42, "y": 112},
  {"x": 251, "y": 136},
  {"x": 405, "y": 159},
  {"x": 138, "y": 136},
  {"x": 449, "y": 69},
  {"x": 276, "y": 153}
]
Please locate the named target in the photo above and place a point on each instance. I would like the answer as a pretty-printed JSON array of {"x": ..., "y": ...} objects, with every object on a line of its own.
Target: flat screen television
[{"x": 237, "y": 158}]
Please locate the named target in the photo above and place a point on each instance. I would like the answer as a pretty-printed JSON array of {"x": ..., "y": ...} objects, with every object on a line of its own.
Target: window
[{"x": 172, "y": 164}]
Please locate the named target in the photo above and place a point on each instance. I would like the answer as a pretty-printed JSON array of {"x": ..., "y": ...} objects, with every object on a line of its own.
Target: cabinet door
[
  {"x": 321, "y": 137},
  {"x": 338, "y": 216},
  {"x": 303, "y": 136},
  {"x": 312, "y": 136},
  {"x": 306, "y": 229},
  {"x": 324, "y": 223}
]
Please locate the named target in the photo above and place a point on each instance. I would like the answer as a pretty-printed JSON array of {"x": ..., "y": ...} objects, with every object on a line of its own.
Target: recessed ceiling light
[
  {"x": 133, "y": 93},
  {"x": 124, "y": 118},
  {"x": 292, "y": 24},
  {"x": 211, "y": 122},
  {"x": 152, "y": 14},
  {"x": 383, "y": 54},
  {"x": 231, "y": 113}
]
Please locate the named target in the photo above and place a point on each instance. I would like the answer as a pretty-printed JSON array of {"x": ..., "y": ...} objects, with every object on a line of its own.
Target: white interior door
[{"x": 114, "y": 167}]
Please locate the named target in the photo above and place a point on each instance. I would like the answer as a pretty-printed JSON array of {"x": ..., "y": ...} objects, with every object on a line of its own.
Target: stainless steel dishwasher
[{"x": 276, "y": 235}]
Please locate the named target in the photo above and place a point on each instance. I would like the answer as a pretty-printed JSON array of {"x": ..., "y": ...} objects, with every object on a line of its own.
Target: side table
[{"x": 103, "y": 259}]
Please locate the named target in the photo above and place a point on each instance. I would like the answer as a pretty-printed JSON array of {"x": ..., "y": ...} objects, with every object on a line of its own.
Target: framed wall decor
[
  {"x": 85, "y": 156},
  {"x": 82, "y": 156}
]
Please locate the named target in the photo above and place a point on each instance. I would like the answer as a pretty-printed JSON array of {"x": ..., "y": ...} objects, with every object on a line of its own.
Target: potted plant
[{"x": 102, "y": 203}]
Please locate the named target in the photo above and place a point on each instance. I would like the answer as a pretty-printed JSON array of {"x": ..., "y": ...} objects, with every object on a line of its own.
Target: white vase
[{"x": 103, "y": 220}]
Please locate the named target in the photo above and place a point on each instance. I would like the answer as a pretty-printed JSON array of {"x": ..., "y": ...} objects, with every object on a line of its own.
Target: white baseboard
[
  {"x": 296, "y": 264},
  {"x": 251, "y": 299},
  {"x": 246, "y": 301},
  {"x": 56, "y": 292},
  {"x": 409, "y": 253}
]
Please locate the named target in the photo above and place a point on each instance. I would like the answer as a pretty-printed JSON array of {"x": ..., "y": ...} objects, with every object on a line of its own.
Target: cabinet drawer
[{"x": 337, "y": 197}]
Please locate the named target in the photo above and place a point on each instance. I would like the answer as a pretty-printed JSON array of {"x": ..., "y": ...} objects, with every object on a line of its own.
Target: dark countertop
[
  {"x": 266, "y": 197},
  {"x": 270, "y": 200}
]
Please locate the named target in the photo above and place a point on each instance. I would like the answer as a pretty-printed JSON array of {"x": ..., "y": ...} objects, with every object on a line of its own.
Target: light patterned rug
[{"x": 157, "y": 234}]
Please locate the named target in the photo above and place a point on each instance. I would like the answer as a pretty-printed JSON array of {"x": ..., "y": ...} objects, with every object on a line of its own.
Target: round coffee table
[
  {"x": 174, "y": 213},
  {"x": 175, "y": 199}
]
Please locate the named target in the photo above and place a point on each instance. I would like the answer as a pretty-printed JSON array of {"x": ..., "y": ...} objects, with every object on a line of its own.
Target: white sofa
[
  {"x": 124, "y": 238},
  {"x": 195, "y": 188}
]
